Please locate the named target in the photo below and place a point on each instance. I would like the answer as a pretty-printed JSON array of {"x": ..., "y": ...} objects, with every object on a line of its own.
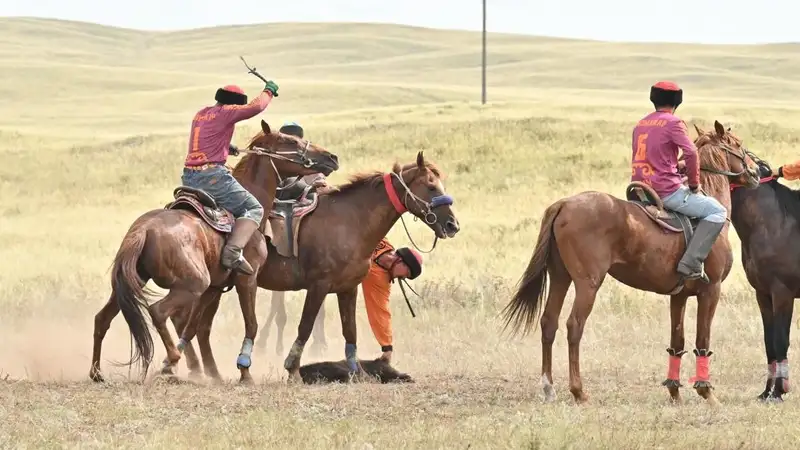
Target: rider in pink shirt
[{"x": 656, "y": 140}]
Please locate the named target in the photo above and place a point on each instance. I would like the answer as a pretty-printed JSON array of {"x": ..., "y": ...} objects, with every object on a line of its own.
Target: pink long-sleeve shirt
[
  {"x": 656, "y": 140},
  {"x": 212, "y": 129}
]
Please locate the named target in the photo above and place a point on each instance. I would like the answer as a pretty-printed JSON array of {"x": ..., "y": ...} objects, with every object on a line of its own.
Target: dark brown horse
[
  {"x": 767, "y": 221},
  {"x": 179, "y": 246},
  {"x": 589, "y": 235},
  {"x": 335, "y": 240}
]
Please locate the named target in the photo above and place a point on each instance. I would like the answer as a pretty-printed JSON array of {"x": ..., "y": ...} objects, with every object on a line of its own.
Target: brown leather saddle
[
  {"x": 294, "y": 200},
  {"x": 643, "y": 196},
  {"x": 204, "y": 205}
]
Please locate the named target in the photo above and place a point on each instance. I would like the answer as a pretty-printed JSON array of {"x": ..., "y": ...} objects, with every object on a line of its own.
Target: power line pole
[{"x": 483, "y": 63}]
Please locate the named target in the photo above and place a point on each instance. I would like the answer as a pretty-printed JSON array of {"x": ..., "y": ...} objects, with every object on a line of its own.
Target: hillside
[{"x": 102, "y": 80}]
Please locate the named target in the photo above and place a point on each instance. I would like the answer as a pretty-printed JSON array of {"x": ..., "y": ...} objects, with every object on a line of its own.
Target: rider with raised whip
[
  {"x": 656, "y": 140},
  {"x": 209, "y": 147}
]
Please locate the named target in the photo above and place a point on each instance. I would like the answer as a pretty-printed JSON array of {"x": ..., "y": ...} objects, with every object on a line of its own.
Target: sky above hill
[{"x": 697, "y": 21}]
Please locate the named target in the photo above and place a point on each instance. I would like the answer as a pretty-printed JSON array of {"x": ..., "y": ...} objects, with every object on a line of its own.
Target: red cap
[
  {"x": 667, "y": 86},
  {"x": 233, "y": 88}
]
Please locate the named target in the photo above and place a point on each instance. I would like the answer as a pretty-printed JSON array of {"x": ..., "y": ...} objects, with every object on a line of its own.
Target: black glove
[
  {"x": 233, "y": 150},
  {"x": 764, "y": 169}
]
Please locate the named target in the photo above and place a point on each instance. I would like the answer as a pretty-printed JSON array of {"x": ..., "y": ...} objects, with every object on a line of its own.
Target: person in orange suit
[{"x": 386, "y": 265}]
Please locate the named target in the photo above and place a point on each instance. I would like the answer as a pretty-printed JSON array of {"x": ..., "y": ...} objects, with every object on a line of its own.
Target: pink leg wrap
[
  {"x": 674, "y": 372},
  {"x": 702, "y": 370}
]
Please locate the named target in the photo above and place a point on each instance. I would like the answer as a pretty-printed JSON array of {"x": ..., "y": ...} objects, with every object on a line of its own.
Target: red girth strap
[
  {"x": 761, "y": 181},
  {"x": 392, "y": 193}
]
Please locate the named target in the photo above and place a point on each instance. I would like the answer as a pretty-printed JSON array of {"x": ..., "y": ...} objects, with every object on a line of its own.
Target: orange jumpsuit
[{"x": 376, "y": 287}]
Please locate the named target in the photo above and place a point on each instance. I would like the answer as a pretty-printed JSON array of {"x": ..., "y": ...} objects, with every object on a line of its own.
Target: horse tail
[
  {"x": 131, "y": 294},
  {"x": 524, "y": 306}
]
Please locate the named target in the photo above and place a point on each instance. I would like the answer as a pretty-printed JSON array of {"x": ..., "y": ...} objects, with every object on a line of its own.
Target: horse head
[
  {"x": 424, "y": 196},
  {"x": 721, "y": 152},
  {"x": 287, "y": 152}
]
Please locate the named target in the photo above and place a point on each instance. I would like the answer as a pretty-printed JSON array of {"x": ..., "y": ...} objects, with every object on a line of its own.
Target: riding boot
[
  {"x": 691, "y": 264},
  {"x": 232, "y": 254}
]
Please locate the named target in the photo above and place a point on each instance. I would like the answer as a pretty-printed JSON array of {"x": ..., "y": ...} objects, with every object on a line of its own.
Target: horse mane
[
  {"x": 788, "y": 198},
  {"x": 374, "y": 179},
  {"x": 713, "y": 156}
]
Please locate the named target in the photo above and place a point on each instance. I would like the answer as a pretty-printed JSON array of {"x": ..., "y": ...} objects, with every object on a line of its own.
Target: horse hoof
[
  {"x": 243, "y": 362},
  {"x": 96, "y": 376}
]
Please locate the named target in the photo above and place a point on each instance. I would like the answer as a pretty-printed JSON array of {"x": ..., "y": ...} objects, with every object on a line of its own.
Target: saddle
[
  {"x": 294, "y": 200},
  {"x": 204, "y": 205},
  {"x": 643, "y": 196}
]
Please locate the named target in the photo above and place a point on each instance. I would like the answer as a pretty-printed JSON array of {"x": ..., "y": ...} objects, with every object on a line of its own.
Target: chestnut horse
[
  {"x": 335, "y": 243},
  {"x": 767, "y": 221},
  {"x": 179, "y": 246},
  {"x": 589, "y": 235}
]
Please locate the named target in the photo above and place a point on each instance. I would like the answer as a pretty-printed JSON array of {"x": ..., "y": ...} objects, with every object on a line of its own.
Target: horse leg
[
  {"x": 706, "y": 307},
  {"x": 559, "y": 285},
  {"x": 280, "y": 322},
  {"x": 102, "y": 322},
  {"x": 585, "y": 295},
  {"x": 764, "y": 300},
  {"x": 192, "y": 361},
  {"x": 277, "y": 296},
  {"x": 319, "y": 346},
  {"x": 246, "y": 288},
  {"x": 677, "y": 341},
  {"x": 782, "y": 307},
  {"x": 347, "y": 313},
  {"x": 314, "y": 297},
  {"x": 204, "y": 334},
  {"x": 177, "y": 300}
]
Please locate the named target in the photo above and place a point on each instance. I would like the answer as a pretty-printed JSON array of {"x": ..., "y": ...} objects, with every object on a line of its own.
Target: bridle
[
  {"x": 742, "y": 157},
  {"x": 426, "y": 209},
  {"x": 302, "y": 156}
]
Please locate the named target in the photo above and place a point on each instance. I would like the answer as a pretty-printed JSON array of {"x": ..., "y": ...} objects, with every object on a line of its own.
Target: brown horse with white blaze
[
  {"x": 335, "y": 240},
  {"x": 178, "y": 247},
  {"x": 590, "y": 235}
]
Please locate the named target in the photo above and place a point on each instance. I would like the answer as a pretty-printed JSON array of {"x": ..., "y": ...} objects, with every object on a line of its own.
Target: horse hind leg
[
  {"x": 585, "y": 295},
  {"x": 102, "y": 322},
  {"x": 179, "y": 320},
  {"x": 560, "y": 282}
]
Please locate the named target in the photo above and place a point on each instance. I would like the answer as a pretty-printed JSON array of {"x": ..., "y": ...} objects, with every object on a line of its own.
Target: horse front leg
[
  {"x": 706, "y": 307},
  {"x": 764, "y": 300},
  {"x": 320, "y": 345},
  {"x": 347, "y": 314},
  {"x": 246, "y": 287},
  {"x": 782, "y": 308},
  {"x": 315, "y": 295},
  {"x": 677, "y": 309}
]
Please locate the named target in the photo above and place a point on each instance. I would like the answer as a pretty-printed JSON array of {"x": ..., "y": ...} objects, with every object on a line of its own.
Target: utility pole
[{"x": 483, "y": 63}]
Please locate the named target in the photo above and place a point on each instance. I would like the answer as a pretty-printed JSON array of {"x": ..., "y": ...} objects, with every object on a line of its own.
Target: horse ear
[
  {"x": 719, "y": 128},
  {"x": 420, "y": 160},
  {"x": 700, "y": 132},
  {"x": 265, "y": 127}
]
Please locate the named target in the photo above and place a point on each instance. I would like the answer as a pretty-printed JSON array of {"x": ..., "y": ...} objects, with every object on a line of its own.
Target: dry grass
[{"x": 92, "y": 132}]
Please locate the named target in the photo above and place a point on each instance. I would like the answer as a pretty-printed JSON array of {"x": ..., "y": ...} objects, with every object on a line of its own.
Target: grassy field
[{"x": 93, "y": 127}]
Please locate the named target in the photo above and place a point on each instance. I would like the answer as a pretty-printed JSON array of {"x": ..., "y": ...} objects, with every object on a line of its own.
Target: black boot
[
  {"x": 691, "y": 265},
  {"x": 232, "y": 254}
]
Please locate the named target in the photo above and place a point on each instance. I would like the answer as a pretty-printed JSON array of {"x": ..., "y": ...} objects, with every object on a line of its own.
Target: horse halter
[{"x": 426, "y": 208}]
